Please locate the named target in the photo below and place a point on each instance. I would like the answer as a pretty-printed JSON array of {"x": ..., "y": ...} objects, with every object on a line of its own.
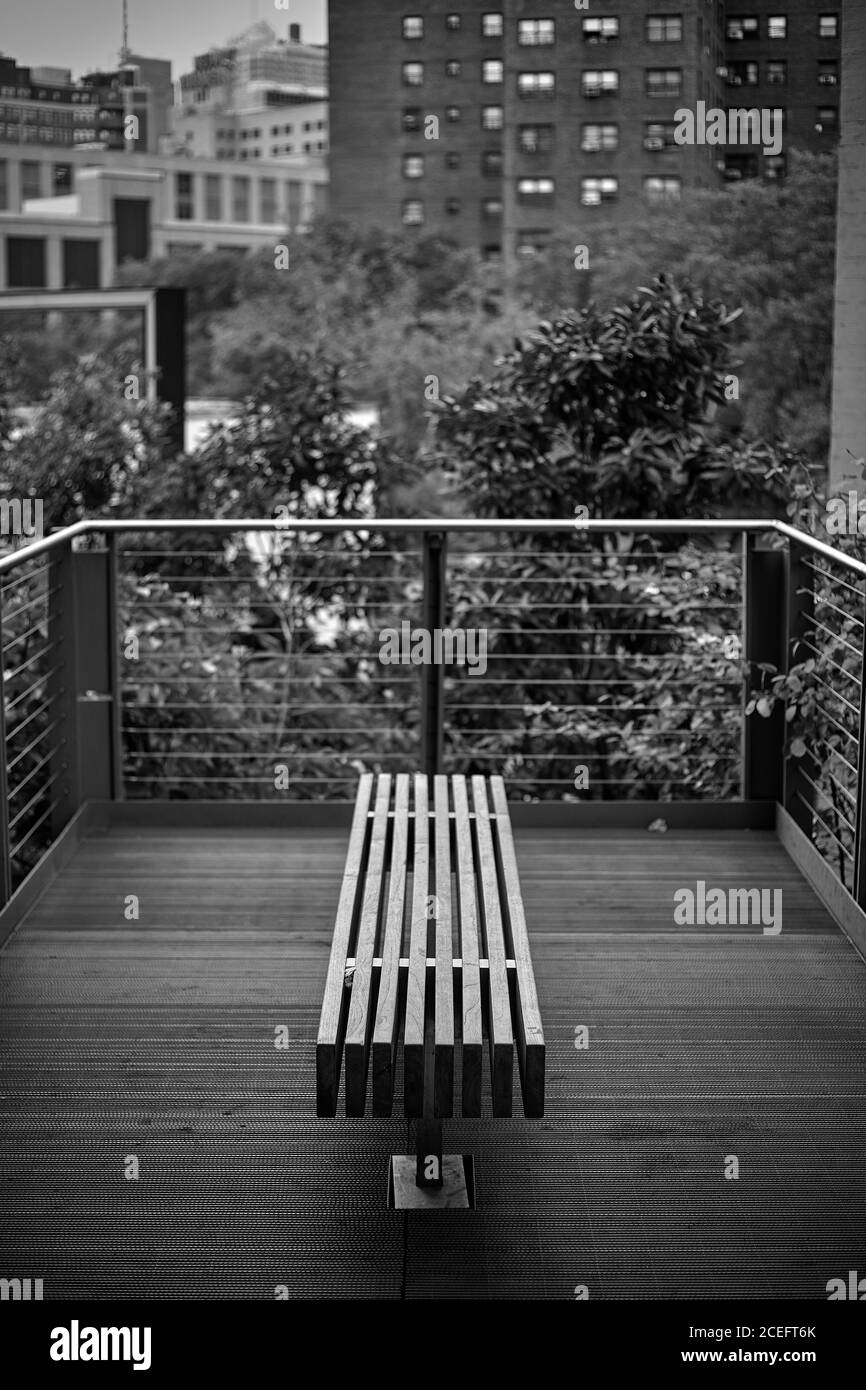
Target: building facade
[
  {"x": 258, "y": 98},
  {"x": 118, "y": 206},
  {"x": 43, "y": 106},
  {"x": 495, "y": 126},
  {"x": 848, "y": 438}
]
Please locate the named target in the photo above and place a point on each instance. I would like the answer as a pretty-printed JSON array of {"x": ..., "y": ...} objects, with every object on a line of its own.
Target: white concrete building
[{"x": 133, "y": 207}]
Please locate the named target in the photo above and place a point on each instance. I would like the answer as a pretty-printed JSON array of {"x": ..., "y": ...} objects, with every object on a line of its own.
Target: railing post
[
  {"x": 763, "y": 640},
  {"x": 859, "y": 876},
  {"x": 432, "y": 676},
  {"x": 113, "y": 636},
  {"x": 801, "y": 608},
  {"x": 85, "y": 693},
  {"x": 63, "y": 684},
  {"x": 5, "y": 861}
]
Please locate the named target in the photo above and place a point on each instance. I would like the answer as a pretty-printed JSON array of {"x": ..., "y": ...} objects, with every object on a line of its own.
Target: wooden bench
[{"x": 430, "y": 950}]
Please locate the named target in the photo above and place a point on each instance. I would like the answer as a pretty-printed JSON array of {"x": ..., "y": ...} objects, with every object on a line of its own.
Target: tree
[{"x": 768, "y": 248}]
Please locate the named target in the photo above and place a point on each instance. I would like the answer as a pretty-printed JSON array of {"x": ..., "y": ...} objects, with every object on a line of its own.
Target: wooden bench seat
[{"x": 430, "y": 949}]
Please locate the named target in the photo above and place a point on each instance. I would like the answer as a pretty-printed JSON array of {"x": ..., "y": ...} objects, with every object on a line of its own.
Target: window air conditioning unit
[
  {"x": 653, "y": 142},
  {"x": 592, "y": 92},
  {"x": 827, "y": 79},
  {"x": 736, "y": 31},
  {"x": 734, "y": 80}
]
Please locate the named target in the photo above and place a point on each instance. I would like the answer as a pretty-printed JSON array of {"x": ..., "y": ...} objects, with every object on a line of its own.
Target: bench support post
[{"x": 428, "y": 1149}]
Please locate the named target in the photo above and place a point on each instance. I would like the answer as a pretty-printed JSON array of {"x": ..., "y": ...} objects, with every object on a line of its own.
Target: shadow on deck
[{"x": 155, "y": 1039}]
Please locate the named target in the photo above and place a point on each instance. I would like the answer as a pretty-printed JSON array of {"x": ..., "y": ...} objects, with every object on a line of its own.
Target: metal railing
[{"x": 248, "y": 659}]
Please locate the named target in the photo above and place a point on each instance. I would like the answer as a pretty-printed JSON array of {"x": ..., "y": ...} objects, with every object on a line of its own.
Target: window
[
  {"x": 492, "y": 117},
  {"x": 828, "y": 119},
  {"x": 452, "y": 67},
  {"x": 777, "y": 26},
  {"x": 413, "y": 74},
  {"x": 240, "y": 199},
  {"x": 777, "y": 73},
  {"x": 213, "y": 197},
  {"x": 595, "y": 191},
  {"x": 598, "y": 83},
  {"x": 537, "y": 192},
  {"x": 31, "y": 179},
  {"x": 413, "y": 212},
  {"x": 594, "y": 138},
  {"x": 411, "y": 119},
  {"x": 492, "y": 24},
  {"x": 741, "y": 27},
  {"x": 536, "y": 33},
  {"x": 828, "y": 26},
  {"x": 536, "y": 84},
  {"x": 452, "y": 206},
  {"x": 62, "y": 179},
  {"x": 4, "y": 184},
  {"x": 775, "y": 166},
  {"x": 535, "y": 139},
  {"x": 183, "y": 197},
  {"x": 664, "y": 82},
  {"x": 452, "y": 160},
  {"x": 491, "y": 163},
  {"x": 664, "y": 28},
  {"x": 293, "y": 201},
  {"x": 659, "y": 135},
  {"x": 742, "y": 73},
  {"x": 602, "y": 30},
  {"x": 452, "y": 22},
  {"x": 491, "y": 207},
  {"x": 80, "y": 265},
  {"x": 828, "y": 73},
  {"x": 413, "y": 26},
  {"x": 491, "y": 70},
  {"x": 662, "y": 190},
  {"x": 413, "y": 166},
  {"x": 532, "y": 243},
  {"x": 25, "y": 262},
  {"x": 452, "y": 114},
  {"x": 268, "y": 200}
]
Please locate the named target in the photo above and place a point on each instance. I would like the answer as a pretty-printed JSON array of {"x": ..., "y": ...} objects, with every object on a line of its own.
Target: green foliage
[
  {"x": 768, "y": 248},
  {"x": 87, "y": 450},
  {"x": 610, "y": 409}
]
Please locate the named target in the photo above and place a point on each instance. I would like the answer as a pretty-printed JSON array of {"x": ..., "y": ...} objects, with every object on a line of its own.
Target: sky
[{"x": 85, "y": 34}]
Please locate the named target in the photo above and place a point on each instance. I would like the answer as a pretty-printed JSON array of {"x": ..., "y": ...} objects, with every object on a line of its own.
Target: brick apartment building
[{"x": 545, "y": 111}]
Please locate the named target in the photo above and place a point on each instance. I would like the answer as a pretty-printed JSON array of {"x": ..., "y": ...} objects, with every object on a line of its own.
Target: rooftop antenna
[{"x": 124, "y": 49}]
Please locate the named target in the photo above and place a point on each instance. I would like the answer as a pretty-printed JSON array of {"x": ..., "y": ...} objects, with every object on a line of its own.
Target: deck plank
[{"x": 159, "y": 1037}]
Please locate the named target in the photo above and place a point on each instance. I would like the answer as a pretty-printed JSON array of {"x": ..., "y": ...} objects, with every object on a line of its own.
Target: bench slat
[
  {"x": 416, "y": 980},
  {"x": 443, "y": 1099},
  {"x": 335, "y": 1001},
  {"x": 499, "y": 1003},
  {"x": 530, "y": 1033},
  {"x": 360, "y": 1013},
  {"x": 388, "y": 1004},
  {"x": 471, "y": 1005}
]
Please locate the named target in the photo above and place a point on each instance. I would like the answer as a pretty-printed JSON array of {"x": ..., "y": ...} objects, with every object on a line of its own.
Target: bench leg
[
  {"x": 429, "y": 1180},
  {"x": 428, "y": 1148}
]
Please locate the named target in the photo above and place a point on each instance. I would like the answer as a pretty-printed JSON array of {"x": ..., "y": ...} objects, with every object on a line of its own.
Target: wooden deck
[{"x": 155, "y": 1039}]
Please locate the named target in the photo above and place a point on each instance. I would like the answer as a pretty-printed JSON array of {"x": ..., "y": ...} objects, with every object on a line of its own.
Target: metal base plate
[{"x": 456, "y": 1193}]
